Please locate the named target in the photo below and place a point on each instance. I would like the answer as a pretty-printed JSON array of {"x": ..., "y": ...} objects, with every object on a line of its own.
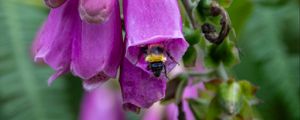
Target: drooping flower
[
  {"x": 149, "y": 22},
  {"x": 101, "y": 103},
  {"x": 90, "y": 51}
]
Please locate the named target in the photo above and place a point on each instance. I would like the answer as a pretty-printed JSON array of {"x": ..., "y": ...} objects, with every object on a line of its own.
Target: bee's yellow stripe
[{"x": 155, "y": 58}]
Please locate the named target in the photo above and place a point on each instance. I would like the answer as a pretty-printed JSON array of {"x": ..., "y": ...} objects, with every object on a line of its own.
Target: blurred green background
[{"x": 268, "y": 37}]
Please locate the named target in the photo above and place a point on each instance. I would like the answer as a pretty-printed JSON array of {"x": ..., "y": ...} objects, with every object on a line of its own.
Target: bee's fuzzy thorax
[{"x": 155, "y": 58}]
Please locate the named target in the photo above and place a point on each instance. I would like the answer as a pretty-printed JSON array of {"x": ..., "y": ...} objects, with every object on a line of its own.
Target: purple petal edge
[
  {"x": 54, "y": 40},
  {"x": 97, "y": 55},
  {"x": 138, "y": 87},
  {"x": 152, "y": 22}
]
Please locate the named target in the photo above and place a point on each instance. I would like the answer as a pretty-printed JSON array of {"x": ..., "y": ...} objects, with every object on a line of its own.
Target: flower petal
[
  {"x": 140, "y": 88},
  {"x": 54, "y": 40},
  {"x": 101, "y": 103},
  {"x": 155, "y": 112},
  {"x": 154, "y": 21},
  {"x": 97, "y": 55},
  {"x": 96, "y": 11},
  {"x": 191, "y": 91}
]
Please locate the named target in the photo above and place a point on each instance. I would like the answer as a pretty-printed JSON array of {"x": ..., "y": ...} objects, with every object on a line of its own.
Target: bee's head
[{"x": 155, "y": 49}]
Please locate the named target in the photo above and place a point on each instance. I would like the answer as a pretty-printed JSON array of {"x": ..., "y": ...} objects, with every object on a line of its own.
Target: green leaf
[
  {"x": 246, "y": 112},
  {"x": 24, "y": 93},
  {"x": 248, "y": 89},
  {"x": 203, "y": 9},
  {"x": 190, "y": 56},
  {"x": 239, "y": 13},
  {"x": 192, "y": 36},
  {"x": 267, "y": 63},
  {"x": 175, "y": 89},
  {"x": 226, "y": 53},
  {"x": 213, "y": 85},
  {"x": 198, "y": 108},
  {"x": 225, "y": 3},
  {"x": 214, "y": 110}
]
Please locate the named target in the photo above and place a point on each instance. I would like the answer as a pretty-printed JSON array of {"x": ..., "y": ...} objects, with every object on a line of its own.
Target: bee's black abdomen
[
  {"x": 156, "y": 68},
  {"x": 156, "y": 74}
]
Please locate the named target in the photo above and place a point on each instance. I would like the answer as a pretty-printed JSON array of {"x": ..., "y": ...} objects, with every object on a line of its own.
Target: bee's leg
[
  {"x": 165, "y": 70},
  {"x": 171, "y": 57}
]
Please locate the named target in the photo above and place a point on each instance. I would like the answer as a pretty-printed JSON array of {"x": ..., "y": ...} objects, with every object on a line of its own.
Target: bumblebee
[{"x": 155, "y": 57}]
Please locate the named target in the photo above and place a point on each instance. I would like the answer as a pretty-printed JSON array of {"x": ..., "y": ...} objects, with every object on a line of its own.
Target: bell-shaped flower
[
  {"x": 101, "y": 103},
  {"x": 147, "y": 23},
  {"x": 90, "y": 51}
]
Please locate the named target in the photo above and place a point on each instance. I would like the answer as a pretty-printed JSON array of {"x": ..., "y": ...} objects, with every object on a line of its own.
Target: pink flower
[
  {"x": 149, "y": 22},
  {"x": 89, "y": 51},
  {"x": 101, "y": 103}
]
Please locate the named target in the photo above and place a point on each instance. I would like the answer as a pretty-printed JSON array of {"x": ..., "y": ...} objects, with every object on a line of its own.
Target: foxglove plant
[
  {"x": 149, "y": 23},
  {"x": 84, "y": 37},
  {"x": 88, "y": 46}
]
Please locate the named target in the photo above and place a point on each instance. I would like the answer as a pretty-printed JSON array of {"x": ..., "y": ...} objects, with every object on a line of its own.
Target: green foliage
[
  {"x": 225, "y": 53},
  {"x": 198, "y": 108},
  {"x": 189, "y": 58},
  {"x": 192, "y": 36},
  {"x": 225, "y": 3},
  {"x": 24, "y": 94},
  {"x": 239, "y": 13},
  {"x": 267, "y": 62},
  {"x": 203, "y": 9},
  {"x": 232, "y": 100}
]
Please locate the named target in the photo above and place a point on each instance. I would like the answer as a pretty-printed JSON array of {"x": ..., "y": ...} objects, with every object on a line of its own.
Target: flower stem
[
  {"x": 189, "y": 11},
  {"x": 181, "y": 115}
]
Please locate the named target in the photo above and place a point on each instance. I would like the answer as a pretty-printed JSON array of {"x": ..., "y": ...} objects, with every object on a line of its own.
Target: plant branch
[{"x": 189, "y": 11}]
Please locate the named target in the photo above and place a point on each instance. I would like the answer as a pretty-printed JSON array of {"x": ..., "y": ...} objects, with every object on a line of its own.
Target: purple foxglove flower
[
  {"x": 139, "y": 88},
  {"x": 149, "y": 22},
  {"x": 90, "y": 51},
  {"x": 153, "y": 22},
  {"x": 101, "y": 103},
  {"x": 155, "y": 112}
]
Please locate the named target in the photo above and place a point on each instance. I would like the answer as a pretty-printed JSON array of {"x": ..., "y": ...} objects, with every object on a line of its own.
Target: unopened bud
[
  {"x": 96, "y": 11},
  {"x": 230, "y": 97},
  {"x": 54, "y": 3}
]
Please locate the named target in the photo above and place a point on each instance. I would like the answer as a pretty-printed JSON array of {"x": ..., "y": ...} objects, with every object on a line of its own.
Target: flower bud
[
  {"x": 96, "y": 11},
  {"x": 54, "y": 3},
  {"x": 230, "y": 97}
]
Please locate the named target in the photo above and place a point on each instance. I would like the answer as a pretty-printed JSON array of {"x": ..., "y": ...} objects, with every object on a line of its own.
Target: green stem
[
  {"x": 181, "y": 115},
  {"x": 189, "y": 11},
  {"x": 197, "y": 74}
]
